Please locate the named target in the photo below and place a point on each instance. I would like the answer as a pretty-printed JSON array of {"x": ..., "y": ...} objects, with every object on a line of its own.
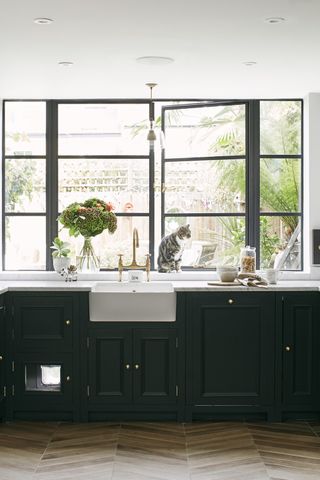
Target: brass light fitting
[{"x": 151, "y": 134}]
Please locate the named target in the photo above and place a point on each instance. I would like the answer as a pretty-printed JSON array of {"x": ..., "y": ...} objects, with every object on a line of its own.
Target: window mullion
[
  {"x": 52, "y": 176},
  {"x": 253, "y": 176}
]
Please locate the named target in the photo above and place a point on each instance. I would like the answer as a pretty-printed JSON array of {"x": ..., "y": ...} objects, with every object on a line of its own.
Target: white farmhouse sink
[{"x": 132, "y": 302}]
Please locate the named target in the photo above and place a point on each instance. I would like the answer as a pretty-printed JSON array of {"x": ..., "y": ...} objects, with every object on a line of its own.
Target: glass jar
[{"x": 248, "y": 260}]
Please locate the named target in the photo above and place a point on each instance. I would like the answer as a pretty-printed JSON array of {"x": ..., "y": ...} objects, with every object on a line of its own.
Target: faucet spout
[
  {"x": 134, "y": 264},
  {"x": 135, "y": 245}
]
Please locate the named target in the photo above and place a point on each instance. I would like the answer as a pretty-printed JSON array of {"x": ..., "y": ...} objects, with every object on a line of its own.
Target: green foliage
[
  {"x": 279, "y": 178},
  {"x": 19, "y": 182},
  {"x": 60, "y": 248},
  {"x": 89, "y": 218}
]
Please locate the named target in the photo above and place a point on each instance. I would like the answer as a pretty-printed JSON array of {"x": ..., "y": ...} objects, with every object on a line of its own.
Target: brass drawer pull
[
  {"x": 68, "y": 322},
  {"x": 68, "y": 378},
  {"x": 1, "y": 358},
  {"x": 127, "y": 366},
  {"x": 137, "y": 366},
  {"x": 230, "y": 301},
  {"x": 287, "y": 348}
]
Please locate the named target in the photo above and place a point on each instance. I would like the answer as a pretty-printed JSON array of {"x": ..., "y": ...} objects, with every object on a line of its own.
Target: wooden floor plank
[{"x": 160, "y": 451}]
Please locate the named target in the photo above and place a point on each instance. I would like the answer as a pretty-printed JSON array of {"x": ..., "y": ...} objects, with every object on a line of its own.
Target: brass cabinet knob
[
  {"x": 127, "y": 366},
  {"x": 230, "y": 301},
  {"x": 137, "y": 366},
  {"x": 68, "y": 378},
  {"x": 68, "y": 322},
  {"x": 1, "y": 358},
  {"x": 287, "y": 348}
]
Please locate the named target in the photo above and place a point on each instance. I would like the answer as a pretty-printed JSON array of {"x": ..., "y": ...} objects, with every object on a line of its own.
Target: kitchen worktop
[{"x": 179, "y": 286}]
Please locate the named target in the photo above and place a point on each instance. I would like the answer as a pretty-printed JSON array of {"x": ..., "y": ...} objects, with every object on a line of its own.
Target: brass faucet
[{"x": 134, "y": 264}]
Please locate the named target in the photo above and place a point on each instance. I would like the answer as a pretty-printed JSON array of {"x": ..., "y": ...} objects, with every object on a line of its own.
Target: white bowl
[{"x": 227, "y": 274}]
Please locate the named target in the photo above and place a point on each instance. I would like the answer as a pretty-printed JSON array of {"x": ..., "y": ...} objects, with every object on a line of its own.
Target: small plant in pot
[{"x": 61, "y": 254}]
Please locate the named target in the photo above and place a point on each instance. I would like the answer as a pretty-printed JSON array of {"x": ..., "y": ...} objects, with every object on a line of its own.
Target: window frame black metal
[{"x": 252, "y": 158}]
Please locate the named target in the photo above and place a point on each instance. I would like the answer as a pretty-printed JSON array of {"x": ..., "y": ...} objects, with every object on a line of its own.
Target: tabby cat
[{"x": 171, "y": 249}]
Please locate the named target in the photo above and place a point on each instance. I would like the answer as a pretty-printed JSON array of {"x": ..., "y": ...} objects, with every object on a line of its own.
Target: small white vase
[{"x": 61, "y": 262}]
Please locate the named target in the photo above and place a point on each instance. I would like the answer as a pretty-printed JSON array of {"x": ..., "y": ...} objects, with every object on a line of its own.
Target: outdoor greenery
[{"x": 279, "y": 179}]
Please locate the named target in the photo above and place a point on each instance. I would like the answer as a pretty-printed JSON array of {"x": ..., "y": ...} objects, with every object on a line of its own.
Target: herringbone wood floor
[{"x": 160, "y": 451}]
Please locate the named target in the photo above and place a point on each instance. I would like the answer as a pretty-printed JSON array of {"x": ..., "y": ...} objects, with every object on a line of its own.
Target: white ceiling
[{"x": 208, "y": 39}]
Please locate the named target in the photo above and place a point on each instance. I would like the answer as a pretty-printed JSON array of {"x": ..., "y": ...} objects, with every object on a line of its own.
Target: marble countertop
[{"x": 179, "y": 286}]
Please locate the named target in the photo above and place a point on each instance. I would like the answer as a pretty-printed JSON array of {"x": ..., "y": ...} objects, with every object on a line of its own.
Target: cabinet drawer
[
  {"x": 231, "y": 299},
  {"x": 42, "y": 323}
]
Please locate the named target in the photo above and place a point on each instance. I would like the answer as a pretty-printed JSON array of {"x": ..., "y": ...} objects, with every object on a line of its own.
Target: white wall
[{"x": 311, "y": 177}]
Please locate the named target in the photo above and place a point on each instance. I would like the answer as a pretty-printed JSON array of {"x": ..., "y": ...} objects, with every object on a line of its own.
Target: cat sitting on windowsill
[{"x": 171, "y": 250}]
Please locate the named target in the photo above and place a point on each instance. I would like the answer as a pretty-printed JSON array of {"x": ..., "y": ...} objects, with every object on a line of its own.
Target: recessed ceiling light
[
  {"x": 43, "y": 21},
  {"x": 274, "y": 20},
  {"x": 249, "y": 64},
  {"x": 66, "y": 64},
  {"x": 154, "y": 60}
]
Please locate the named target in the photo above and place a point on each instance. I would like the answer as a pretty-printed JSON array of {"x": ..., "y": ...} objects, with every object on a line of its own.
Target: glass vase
[{"x": 88, "y": 261}]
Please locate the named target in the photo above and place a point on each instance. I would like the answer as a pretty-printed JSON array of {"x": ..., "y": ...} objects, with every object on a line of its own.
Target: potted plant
[
  {"x": 89, "y": 219},
  {"x": 61, "y": 254}
]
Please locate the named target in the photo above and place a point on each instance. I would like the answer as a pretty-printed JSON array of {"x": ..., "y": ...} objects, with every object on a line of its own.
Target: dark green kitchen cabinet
[
  {"x": 44, "y": 373},
  {"x": 132, "y": 366},
  {"x": 43, "y": 322},
  {"x": 230, "y": 350},
  {"x": 43, "y": 382},
  {"x": 110, "y": 366},
  {"x": 2, "y": 357},
  {"x": 300, "y": 351}
]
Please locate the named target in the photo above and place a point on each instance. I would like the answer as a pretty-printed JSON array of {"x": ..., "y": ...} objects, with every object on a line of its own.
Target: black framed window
[
  {"x": 102, "y": 153},
  {"x": 232, "y": 169},
  {"x": 280, "y": 171},
  {"x": 204, "y": 169},
  {"x": 24, "y": 186}
]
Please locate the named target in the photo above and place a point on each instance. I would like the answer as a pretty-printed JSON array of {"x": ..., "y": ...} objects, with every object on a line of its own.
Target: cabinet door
[
  {"x": 42, "y": 382},
  {"x": 154, "y": 366},
  {"x": 110, "y": 366},
  {"x": 43, "y": 322},
  {"x": 301, "y": 355},
  {"x": 2, "y": 352},
  {"x": 230, "y": 357}
]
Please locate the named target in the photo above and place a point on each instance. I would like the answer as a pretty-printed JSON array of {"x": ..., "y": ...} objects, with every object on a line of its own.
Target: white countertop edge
[{"x": 181, "y": 286}]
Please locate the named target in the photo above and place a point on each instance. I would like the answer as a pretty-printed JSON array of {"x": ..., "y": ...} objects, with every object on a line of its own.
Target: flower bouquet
[{"x": 89, "y": 219}]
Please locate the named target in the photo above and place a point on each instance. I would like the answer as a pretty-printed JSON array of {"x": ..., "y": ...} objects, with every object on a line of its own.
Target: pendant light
[{"x": 151, "y": 134}]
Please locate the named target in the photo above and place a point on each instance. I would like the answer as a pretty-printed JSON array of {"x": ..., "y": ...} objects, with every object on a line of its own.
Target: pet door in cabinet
[
  {"x": 205, "y": 145},
  {"x": 43, "y": 381},
  {"x": 42, "y": 377}
]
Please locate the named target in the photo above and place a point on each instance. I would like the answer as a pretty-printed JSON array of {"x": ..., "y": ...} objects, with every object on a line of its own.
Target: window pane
[
  {"x": 280, "y": 239},
  {"x": 214, "y": 241},
  {"x": 280, "y": 185},
  {"x": 25, "y": 128},
  {"x": 103, "y": 129},
  {"x": 25, "y": 185},
  {"x": 206, "y": 131},
  {"x": 108, "y": 246},
  {"x": 205, "y": 186},
  {"x": 123, "y": 182},
  {"x": 25, "y": 243},
  {"x": 280, "y": 128}
]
